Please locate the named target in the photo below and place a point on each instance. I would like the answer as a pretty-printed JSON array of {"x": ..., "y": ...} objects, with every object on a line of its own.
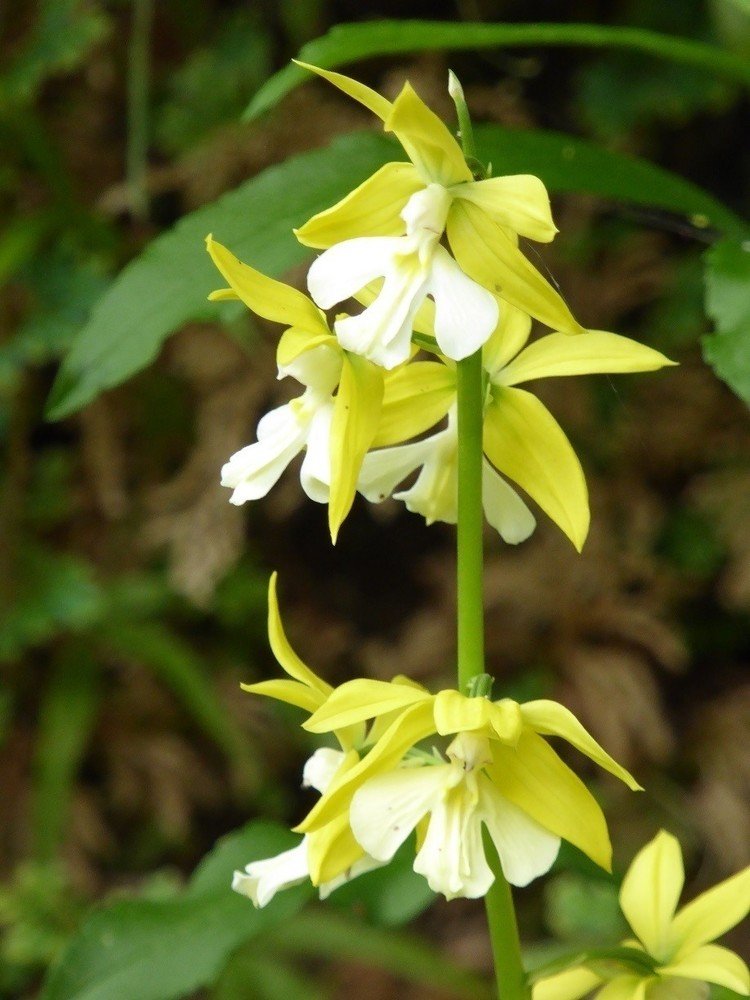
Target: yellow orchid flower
[
  {"x": 522, "y": 440},
  {"x": 335, "y": 431},
  {"x": 390, "y": 227},
  {"x": 678, "y": 944},
  {"x": 516, "y": 772}
]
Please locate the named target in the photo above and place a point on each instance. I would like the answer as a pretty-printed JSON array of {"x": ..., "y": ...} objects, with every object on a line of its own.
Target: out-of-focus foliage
[{"x": 132, "y": 595}]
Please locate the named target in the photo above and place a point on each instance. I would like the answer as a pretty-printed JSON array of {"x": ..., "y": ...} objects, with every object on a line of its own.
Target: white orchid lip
[
  {"x": 457, "y": 799},
  {"x": 412, "y": 267},
  {"x": 282, "y": 433}
]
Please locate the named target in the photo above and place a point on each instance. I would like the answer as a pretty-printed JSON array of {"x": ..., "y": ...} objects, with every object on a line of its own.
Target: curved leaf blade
[
  {"x": 348, "y": 43},
  {"x": 169, "y": 283}
]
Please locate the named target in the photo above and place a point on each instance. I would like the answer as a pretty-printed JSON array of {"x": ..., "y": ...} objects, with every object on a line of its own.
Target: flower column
[{"x": 472, "y": 679}]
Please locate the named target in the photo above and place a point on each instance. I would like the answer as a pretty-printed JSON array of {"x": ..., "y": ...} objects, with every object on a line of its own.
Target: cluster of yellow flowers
[{"x": 430, "y": 251}]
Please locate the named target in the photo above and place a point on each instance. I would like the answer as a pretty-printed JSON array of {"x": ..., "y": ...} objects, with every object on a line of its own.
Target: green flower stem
[
  {"x": 506, "y": 948},
  {"x": 470, "y": 522},
  {"x": 512, "y": 983}
]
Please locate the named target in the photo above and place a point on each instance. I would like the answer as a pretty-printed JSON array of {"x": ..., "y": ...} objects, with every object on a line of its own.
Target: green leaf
[
  {"x": 323, "y": 934},
  {"x": 64, "y": 32},
  {"x": 160, "y": 950},
  {"x": 65, "y": 721},
  {"x": 348, "y": 43},
  {"x": 168, "y": 284},
  {"x": 271, "y": 980},
  {"x": 727, "y": 350},
  {"x": 389, "y": 896},
  {"x": 174, "y": 662},
  {"x": 565, "y": 163}
]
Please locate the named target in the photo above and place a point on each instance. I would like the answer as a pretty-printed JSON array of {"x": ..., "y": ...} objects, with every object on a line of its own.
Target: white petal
[
  {"x": 318, "y": 368},
  {"x": 382, "y": 331},
  {"x": 253, "y": 470},
  {"x": 384, "y": 469},
  {"x": 347, "y": 267},
  {"x": 452, "y": 856},
  {"x": 315, "y": 474},
  {"x": 385, "y": 810},
  {"x": 435, "y": 493},
  {"x": 465, "y": 312},
  {"x": 526, "y": 850},
  {"x": 503, "y": 508},
  {"x": 263, "y": 879},
  {"x": 365, "y": 864},
  {"x": 319, "y": 769}
]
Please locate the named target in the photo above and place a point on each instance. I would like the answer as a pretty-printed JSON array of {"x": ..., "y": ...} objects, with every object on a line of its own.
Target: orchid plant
[{"x": 423, "y": 373}]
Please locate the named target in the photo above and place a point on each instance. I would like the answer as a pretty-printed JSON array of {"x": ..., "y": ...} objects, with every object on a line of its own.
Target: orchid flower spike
[
  {"x": 679, "y": 957},
  {"x": 391, "y": 228}
]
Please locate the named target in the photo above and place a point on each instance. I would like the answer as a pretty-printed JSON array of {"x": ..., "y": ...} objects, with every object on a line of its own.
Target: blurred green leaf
[
  {"x": 66, "y": 719},
  {"x": 320, "y": 933},
  {"x": 348, "y": 43},
  {"x": 389, "y": 896},
  {"x": 268, "y": 976},
  {"x": 160, "y": 950},
  {"x": 732, "y": 23},
  {"x": 63, "y": 33},
  {"x": 64, "y": 291},
  {"x": 582, "y": 910},
  {"x": 169, "y": 283},
  {"x": 727, "y": 350},
  {"x": 53, "y": 593},
  {"x": 565, "y": 163},
  {"x": 215, "y": 83},
  {"x": 185, "y": 673}
]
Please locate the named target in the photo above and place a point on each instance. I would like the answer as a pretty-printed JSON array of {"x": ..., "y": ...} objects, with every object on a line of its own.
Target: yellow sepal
[
  {"x": 534, "y": 778},
  {"x": 524, "y": 442},
  {"x": 356, "y": 413},
  {"x": 416, "y": 396},
  {"x": 271, "y": 299},
  {"x": 287, "y": 658},
  {"x": 361, "y": 699},
  {"x": 651, "y": 890},
  {"x": 370, "y": 98},
  {"x": 291, "y": 692},
  {"x": 488, "y": 255},
  {"x": 372, "y": 209}
]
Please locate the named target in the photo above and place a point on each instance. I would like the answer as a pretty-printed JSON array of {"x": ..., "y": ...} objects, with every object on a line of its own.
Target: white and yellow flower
[
  {"x": 501, "y": 773},
  {"x": 522, "y": 440},
  {"x": 677, "y": 944},
  {"x": 335, "y": 418},
  {"x": 390, "y": 227}
]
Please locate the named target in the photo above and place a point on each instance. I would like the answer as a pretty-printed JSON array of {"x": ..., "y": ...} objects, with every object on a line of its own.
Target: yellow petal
[
  {"x": 296, "y": 341},
  {"x": 549, "y": 718},
  {"x": 426, "y": 139},
  {"x": 370, "y": 98},
  {"x": 651, "y": 890},
  {"x": 224, "y": 295},
  {"x": 267, "y": 297},
  {"x": 625, "y": 988},
  {"x": 712, "y": 964},
  {"x": 533, "y": 777},
  {"x": 712, "y": 913},
  {"x": 518, "y": 201},
  {"x": 332, "y": 850},
  {"x": 524, "y": 442},
  {"x": 412, "y": 725},
  {"x": 416, "y": 396},
  {"x": 357, "y": 700},
  {"x": 281, "y": 649},
  {"x": 372, "y": 209},
  {"x": 568, "y": 985},
  {"x": 291, "y": 692},
  {"x": 595, "y": 351},
  {"x": 456, "y": 713},
  {"x": 508, "y": 338},
  {"x": 356, "y": 413},
  {"x": 486, "y": 253}
]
